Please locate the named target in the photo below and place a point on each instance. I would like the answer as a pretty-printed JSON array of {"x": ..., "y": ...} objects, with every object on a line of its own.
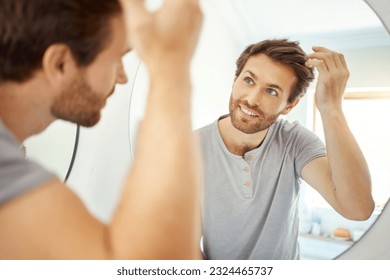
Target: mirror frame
[
  {"x": 375, "y": 243},
  {"x": 74, "y": 153}
]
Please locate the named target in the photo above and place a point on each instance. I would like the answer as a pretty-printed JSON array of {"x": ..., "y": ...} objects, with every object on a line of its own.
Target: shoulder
[
  {"x": 286, "y": 128},
  {"x": 8, "y": 144},
  {"x": 293, "y": 134},
  {"x": 206, "y": 131},
  {"x": 210, "y": 128},
  {"x": 17, "y": 174}
]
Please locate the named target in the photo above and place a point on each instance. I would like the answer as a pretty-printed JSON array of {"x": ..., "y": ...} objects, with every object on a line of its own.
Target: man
[
  {"x": 254, "y": 162},
  {"x": 62, "y": 59}
]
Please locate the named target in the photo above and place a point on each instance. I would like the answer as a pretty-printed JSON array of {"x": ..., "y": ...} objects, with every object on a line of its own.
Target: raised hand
[
  {"x": 164, "y": 38},
  {"x": 332, "y": 80}
]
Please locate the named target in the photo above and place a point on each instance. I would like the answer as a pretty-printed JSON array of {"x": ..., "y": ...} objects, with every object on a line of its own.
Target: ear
[
  {"x": 58, "y": 65},
  {"x": 289, "y": 106}
]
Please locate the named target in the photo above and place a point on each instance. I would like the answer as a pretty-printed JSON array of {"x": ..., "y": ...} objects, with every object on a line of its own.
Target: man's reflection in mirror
[{"x": 254, "y": 160}]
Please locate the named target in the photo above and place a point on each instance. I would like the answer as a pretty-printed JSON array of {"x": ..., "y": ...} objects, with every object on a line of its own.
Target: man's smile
[{"x": 247, "y": 111}]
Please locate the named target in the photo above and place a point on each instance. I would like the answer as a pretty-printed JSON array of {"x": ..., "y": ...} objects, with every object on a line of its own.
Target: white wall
[{"x": 370, "y": 67}]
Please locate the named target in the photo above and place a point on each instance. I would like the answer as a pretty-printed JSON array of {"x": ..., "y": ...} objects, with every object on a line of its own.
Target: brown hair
[
  {"x": 287, "y": 53},
  {"x": 29, "y": 27}
]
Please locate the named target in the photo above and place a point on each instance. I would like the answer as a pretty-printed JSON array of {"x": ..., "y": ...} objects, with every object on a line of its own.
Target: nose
[
  {"x": 121, "y": 77},
  {"x": 253, "y": 97}
]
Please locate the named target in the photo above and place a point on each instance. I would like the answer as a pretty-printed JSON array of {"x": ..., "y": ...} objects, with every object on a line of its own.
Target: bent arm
[
  {"x": 161, "y": 199},
  {"x": 343, "y": 178},
  {"x": 157, "y": 217}
]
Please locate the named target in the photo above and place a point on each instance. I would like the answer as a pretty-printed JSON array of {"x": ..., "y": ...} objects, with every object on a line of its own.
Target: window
[{"x": 368, "y": 115}]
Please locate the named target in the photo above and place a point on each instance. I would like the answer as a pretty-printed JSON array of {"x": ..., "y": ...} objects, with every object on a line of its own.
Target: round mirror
[
  {"x": 55, "y": 148},
  {"x": 350, "y": 27},
  {"x": 375, "y": 244}
]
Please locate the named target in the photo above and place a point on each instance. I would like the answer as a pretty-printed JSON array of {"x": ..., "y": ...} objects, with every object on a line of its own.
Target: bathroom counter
[{"x": 321, "y": 247}]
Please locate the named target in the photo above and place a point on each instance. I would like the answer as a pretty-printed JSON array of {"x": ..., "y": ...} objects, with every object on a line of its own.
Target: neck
[
  {"x": 24, "y": 110},
  {"x": 236, "y": 141}
]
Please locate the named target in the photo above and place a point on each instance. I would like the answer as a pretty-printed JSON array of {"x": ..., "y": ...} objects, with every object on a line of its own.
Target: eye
[
  {"x": 272, "y": 91},
  {"x": 249, "y": 80}
]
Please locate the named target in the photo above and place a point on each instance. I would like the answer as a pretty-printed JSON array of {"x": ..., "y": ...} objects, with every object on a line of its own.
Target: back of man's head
[{"x": 29, "y": 27}]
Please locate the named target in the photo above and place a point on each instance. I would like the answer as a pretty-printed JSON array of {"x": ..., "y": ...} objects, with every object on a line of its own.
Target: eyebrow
[{"x": 269, "y": 85}]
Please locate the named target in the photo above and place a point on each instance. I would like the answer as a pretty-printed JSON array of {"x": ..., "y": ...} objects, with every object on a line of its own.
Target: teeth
[{"x": 246, "y": 111}]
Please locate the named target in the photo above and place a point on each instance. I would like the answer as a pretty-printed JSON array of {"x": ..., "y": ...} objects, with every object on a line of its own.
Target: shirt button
[
  {"x": 249, "y": 157},
  {"x": 246, "y": 169},
  {"x": 248, "y": 184}
]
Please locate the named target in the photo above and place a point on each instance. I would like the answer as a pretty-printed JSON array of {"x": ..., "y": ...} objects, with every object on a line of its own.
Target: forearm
[
  {"x": 349, "y": 170},
  {"x": 158, "y": 214}
]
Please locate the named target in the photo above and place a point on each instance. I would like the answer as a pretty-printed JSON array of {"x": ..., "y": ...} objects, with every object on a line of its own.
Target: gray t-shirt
[
  {"x": 251, "y": 203},
  {"x": 17, "y": 175}
]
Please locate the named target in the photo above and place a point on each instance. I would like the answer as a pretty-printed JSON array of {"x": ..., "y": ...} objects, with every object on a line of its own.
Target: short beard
[
  {"x": 260, "y": 123},
  {"x": 78, "y": 104}
]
